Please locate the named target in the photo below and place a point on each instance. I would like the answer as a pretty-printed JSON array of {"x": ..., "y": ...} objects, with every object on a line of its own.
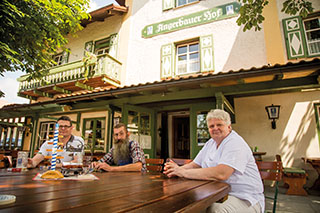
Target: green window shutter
[
  {"x": 88, "y": 47},
  {"x": 206, "y": 56},
  {"x": 65, "y": 56},
  {"x": 167, "y": 4},
  {"x": 167, "y": 60},
  {"x": 113, "y": 45},
  {"x": 294, "y": 37}
]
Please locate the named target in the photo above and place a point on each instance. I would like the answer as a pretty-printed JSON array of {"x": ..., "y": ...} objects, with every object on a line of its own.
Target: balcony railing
[{"x": 71, "y": 77}]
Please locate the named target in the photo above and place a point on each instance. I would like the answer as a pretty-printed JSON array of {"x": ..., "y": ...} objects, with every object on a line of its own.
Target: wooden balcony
[{"x": 71, "y": 77}]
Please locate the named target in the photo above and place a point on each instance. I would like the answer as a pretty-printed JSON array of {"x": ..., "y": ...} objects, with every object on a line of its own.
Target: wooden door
[{"x": 181, "y": 137}]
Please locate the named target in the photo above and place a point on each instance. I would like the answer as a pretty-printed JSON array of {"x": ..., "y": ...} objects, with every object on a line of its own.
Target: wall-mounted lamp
[{"x": 273, "y": 114}]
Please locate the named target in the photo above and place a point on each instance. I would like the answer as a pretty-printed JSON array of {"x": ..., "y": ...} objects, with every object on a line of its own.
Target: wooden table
[
  {"x": 258, "y": 155},
  {"x": 113, "y": 192},
  {"x": 315, "y": 162}
]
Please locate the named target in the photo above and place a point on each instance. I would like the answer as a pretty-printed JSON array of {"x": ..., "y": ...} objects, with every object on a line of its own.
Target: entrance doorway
[{"x": 181, "y": 137}]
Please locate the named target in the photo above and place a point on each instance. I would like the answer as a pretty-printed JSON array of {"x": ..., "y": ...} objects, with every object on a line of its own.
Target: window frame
[
  {"x": 102, "y": 44},
  {"x": 187, "y": 3},
  {"x": 60, "y": 60},
  {"x": 188, "y": 53},
  {"x": 90, "y": 148},
  {"x": 309, "y": 54},
  {"x": 47, "y": 131}
]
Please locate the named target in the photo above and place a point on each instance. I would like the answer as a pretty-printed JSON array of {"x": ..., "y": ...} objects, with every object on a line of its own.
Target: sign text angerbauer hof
[{"x": 194, "y": 19}]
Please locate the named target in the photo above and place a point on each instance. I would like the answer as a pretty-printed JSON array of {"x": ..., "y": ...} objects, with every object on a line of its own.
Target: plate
[{"x": 7, "y": 199}]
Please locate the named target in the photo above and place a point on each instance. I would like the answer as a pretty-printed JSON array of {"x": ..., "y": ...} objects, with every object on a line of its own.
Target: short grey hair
[{"x": 219, "y": 114}]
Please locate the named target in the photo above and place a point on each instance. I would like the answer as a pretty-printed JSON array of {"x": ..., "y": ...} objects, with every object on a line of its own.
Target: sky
[{"x": 9, "y": 84}]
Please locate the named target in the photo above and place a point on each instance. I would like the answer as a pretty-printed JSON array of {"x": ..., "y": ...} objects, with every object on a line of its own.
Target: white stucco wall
[
  {"x": 233, "y": 49},
  {"x": 295, "y": 135},
  {"x": 93, "y": 32}
]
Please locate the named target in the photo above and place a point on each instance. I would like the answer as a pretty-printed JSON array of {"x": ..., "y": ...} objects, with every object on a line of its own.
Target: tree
[
  {"x": 251, "y": 11},
  {"x": 32, "y": 31}
]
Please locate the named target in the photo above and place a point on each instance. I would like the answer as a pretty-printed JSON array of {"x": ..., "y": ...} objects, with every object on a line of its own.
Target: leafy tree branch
[{"x": 251, "y": 11}]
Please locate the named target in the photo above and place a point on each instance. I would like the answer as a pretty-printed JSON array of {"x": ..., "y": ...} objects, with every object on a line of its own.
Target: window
[
  {"x": 11, "y": 137},
  {"x": 202, "y": 129},
  {"x": 4, "y": 133},
  {"x": 139, "y": 126},
  {"x": 106, "y": 45},
  {"x": 184, "y": 2},
  {"x": 188, "y": 58},
  {"x": 58, "y": 59},
  {"x": 312, "y": 32},
  {"x": 139, "y": 123},
  {"x": 169, "y": 4},
  {"x": 46, "y": 132},
  {"x": 94, "y": 134},
  {"x": 302, "y": 36},
  {"x": 61, "y": 58},
  {"x": 102, "y": 46}
]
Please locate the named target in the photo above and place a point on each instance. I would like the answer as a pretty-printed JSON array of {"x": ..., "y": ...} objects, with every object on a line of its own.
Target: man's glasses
[{"x": 64, "y": 127}]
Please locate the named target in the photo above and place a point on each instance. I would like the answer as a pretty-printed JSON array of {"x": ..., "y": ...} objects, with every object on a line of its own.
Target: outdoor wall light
[{"x": 273, "y": 114}]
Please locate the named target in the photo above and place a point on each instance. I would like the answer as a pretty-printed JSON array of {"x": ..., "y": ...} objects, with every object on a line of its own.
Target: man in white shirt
[
  {"x": 72, "y": 145},
  {"x": 225, "y": 157}
]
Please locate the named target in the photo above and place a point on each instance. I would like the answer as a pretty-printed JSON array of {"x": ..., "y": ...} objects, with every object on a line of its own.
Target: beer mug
[
  {"x": 22, "y": 159},
  {"x": 79, "y": 157}
]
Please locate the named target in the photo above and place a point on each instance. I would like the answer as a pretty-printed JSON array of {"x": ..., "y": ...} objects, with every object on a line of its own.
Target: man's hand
[
  {"x": 172, "y": 169},
  {"x": 30, "y": 163},
  {"x": 103, "y": 166}
]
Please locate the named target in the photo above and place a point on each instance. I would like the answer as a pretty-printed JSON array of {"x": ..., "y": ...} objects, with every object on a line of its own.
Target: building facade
[{"x": 160, "y": 66}]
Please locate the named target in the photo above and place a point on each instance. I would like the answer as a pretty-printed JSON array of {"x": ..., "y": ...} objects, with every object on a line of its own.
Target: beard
[{"x": 121, "y": 150}]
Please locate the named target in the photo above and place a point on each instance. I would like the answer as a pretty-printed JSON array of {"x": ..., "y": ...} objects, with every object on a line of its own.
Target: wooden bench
[{"x": 295, "y": 178}]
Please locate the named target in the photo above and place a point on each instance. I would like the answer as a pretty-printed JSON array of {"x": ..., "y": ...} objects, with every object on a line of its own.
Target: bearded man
[{"x": 126, "y": 155}]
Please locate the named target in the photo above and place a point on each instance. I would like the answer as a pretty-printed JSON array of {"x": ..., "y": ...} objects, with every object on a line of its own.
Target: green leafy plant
[
  {"x": 251, "y": 11},
  {"x": 32, "y": 31},
  {"x": 89, "y": 60}
]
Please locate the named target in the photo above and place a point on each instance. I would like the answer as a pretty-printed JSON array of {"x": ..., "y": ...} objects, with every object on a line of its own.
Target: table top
[
  {"x": 259, "y": 153},
  {"x": 314, "y": 161},
  {"x": 113, "y": 192}
]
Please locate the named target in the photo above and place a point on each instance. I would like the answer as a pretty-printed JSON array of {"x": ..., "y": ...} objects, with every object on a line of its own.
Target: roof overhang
[
  {"x": 290, "y": 77},
  {"x": 103, "y": 13}
]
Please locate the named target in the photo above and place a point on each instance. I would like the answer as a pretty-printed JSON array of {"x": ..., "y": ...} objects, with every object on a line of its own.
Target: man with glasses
[
  {"x": 125, "y": 155},
  {"x": 71, "y": 145}
]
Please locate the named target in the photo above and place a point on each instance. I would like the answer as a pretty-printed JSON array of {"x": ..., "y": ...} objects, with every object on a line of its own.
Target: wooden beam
[
  {"x": 27, "y": 96},
  {"x": 278, "y": 76},
  {"x": 83, "y": 86},
  {"x": 10, "y": 124},
  {"x": 113, "y": 83},
  {"x": 54, "y": 118},
  {"x": 240, "y": 81},
  {"x": 60, "y": 89},
  {"x": 222, "y": 102},
  {"x": 44, "y": 94}
]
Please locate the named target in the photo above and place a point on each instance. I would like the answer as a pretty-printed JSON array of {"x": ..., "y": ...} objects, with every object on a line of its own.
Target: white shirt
[
  {"x": 73, "y": 146},
  {"x": 233, "y": 151}
]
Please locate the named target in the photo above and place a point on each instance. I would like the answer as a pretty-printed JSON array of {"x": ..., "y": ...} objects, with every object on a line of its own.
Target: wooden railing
[{"x": 106, "y": 66}]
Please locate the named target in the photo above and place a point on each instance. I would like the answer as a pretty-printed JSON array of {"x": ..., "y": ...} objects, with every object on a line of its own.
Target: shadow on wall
[
  {"x": 292, "y": 150},
  {"x": 247, "y": 51}
]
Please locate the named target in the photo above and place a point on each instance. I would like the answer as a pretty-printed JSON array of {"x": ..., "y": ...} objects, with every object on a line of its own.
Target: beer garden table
[
  {"x": 113, "y": 192},
  {"x": 315, "y": 162}
]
